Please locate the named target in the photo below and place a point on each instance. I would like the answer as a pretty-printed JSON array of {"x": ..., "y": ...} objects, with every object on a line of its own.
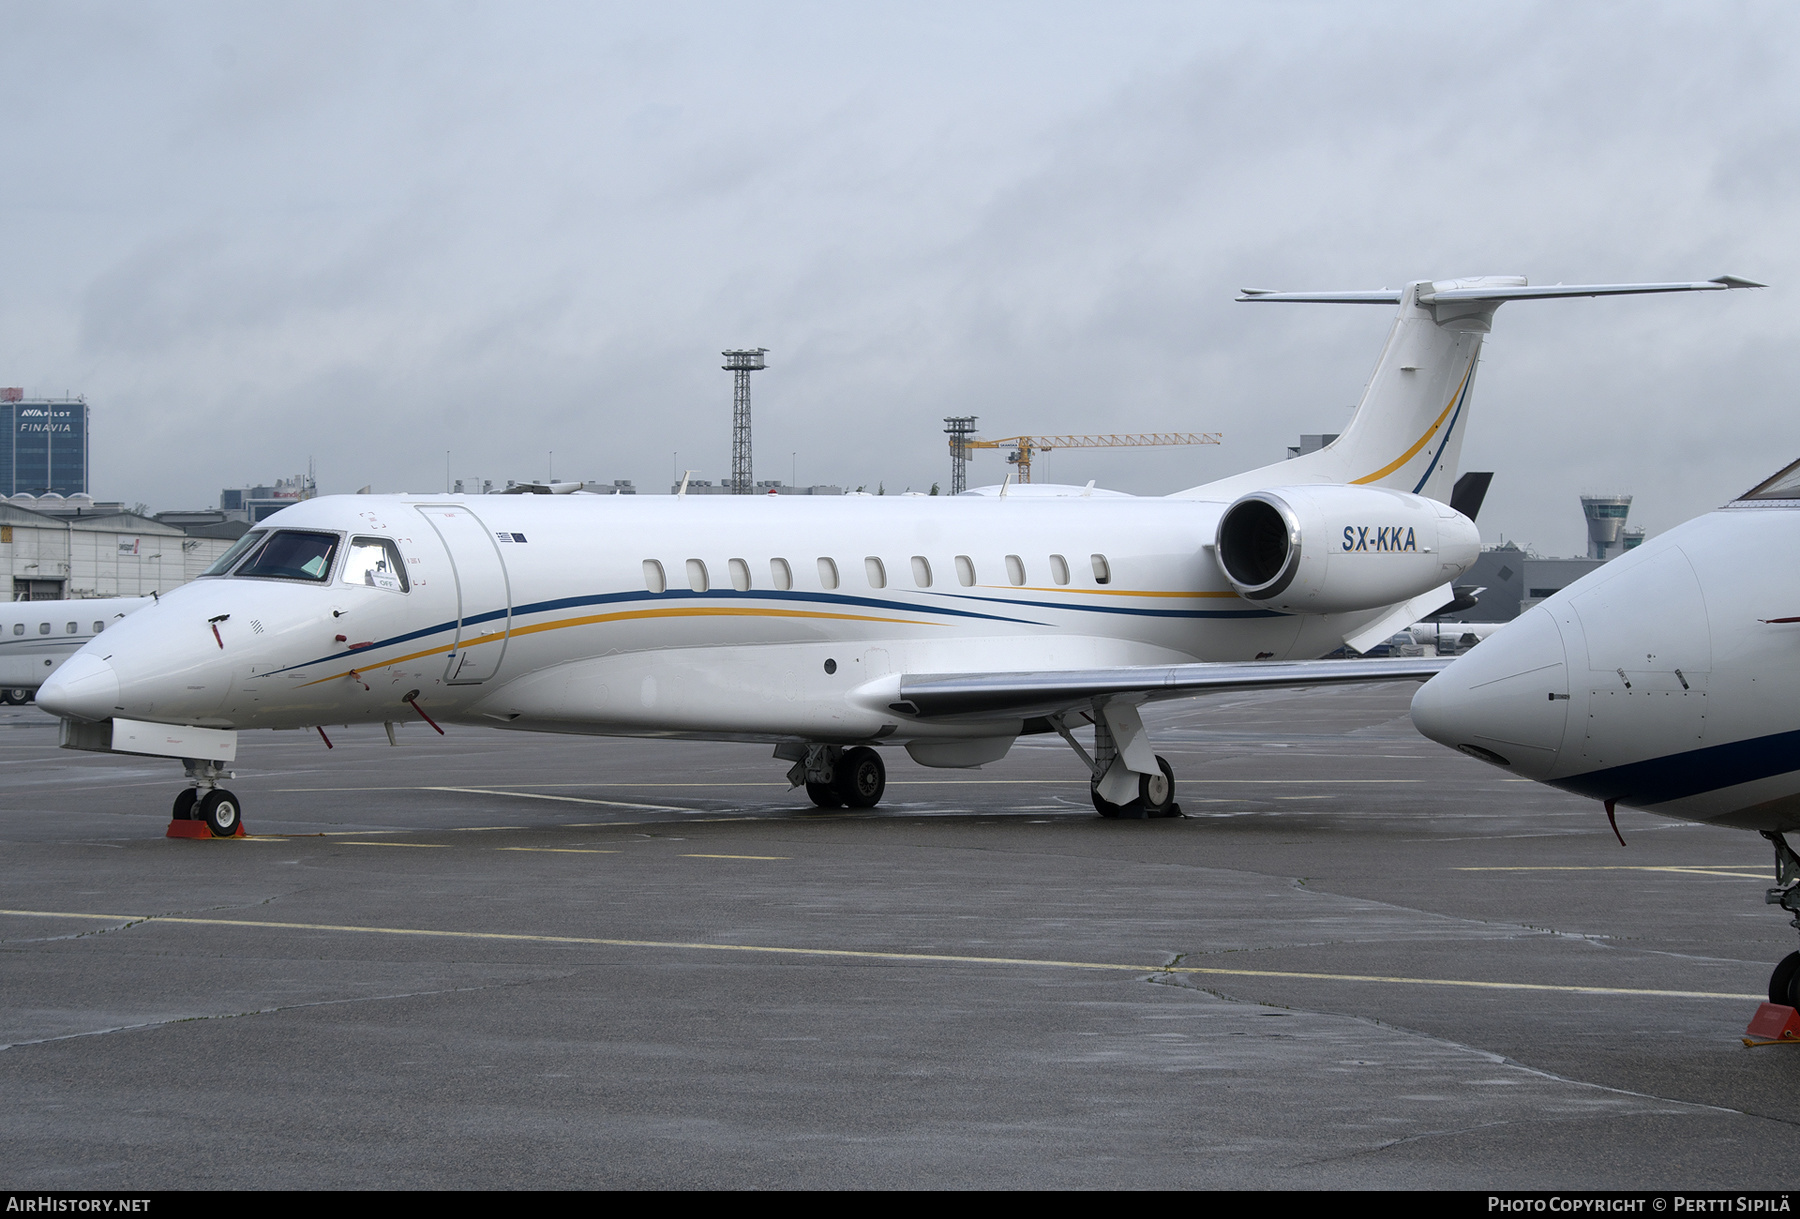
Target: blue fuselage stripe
[
  {"x": 833, "y": 599},
  {"x": 1692, "y": 773}
]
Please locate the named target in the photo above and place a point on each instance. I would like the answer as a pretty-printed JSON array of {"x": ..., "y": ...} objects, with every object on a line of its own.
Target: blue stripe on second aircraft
[{"x": 1691, "y": 773}]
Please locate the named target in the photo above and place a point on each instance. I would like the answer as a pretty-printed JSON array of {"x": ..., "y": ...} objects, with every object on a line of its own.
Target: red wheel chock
[
  {"x": 1773, "y": 1024},
  {"x": 199, "y": 829}
]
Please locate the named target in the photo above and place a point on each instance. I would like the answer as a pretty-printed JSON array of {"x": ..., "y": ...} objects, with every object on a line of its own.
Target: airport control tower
[{"x": 1606, "y": 524}]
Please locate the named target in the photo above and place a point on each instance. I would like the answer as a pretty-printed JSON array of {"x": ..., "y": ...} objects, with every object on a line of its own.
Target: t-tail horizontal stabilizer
[{"x": 1495, "y": 288}]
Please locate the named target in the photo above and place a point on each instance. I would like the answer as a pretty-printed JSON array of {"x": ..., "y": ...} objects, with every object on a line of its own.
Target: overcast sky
[{"x": 372, "y": 233}]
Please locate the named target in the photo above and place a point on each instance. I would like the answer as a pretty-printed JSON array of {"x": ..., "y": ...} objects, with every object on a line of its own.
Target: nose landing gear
[
  {"x": 206, "y": 810},
  {"x": 1784, "y": 983}
]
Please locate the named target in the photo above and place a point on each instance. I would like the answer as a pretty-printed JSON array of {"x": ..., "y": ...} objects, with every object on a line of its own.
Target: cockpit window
[
  {"x": 236, "y": 552},
  {"x": 375, "y": 562},
  {"x": 291, "y": 554}
]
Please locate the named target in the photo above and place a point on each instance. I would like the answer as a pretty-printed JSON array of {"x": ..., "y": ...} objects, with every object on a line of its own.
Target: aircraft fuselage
[{"x": 755, "y": 617}]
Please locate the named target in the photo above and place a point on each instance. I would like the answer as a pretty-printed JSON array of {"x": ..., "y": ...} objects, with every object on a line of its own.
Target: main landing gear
[
  {"x": 207, "y": 802},
  {"x": 836, "y": 777},
  {"x": 1129, "y": 782},
  {"x": 1156, "y": 796},
  {"x": 1784, "y": 983}
]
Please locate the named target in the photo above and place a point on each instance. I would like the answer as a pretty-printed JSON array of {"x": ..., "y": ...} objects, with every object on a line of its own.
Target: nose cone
[
  {"x": 1506, "y": 701},
  {"x": 84, "y": 688}
]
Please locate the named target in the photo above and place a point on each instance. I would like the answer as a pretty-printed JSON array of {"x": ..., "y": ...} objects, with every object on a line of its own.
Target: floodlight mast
[
  {"x": 961, "y": 430},
  {"x": 741, "y": 363}
]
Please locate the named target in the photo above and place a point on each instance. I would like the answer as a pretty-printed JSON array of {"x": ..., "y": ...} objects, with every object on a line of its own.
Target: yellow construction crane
[{"x": 1024, "y": 447}]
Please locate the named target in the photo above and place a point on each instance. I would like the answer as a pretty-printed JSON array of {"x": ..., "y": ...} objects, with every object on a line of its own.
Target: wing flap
[{"x": 932, "y": 695}]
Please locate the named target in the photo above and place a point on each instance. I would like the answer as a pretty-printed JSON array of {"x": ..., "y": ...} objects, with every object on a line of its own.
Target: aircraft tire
[
  {"x": 1105, "y": 808},
  {"x": 1158, "y": 797},
  {"x": 824, "y": 795},
  {"x": 184, "y": 804},
  {"x": 221, "y": 812},
  {"x": 861, "y": 777},
  {"x": 1784, "y": 983}
]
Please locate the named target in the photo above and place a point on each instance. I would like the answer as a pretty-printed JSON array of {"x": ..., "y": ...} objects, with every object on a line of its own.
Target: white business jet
[
  {"x": 1663, "y": 681},
  {"x": 825, "y": 626},
  {"x": 37, "y": 636}
]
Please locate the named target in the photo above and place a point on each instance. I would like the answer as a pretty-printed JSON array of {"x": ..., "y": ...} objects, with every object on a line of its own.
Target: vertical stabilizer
[{"x": 1407, "y": 431}]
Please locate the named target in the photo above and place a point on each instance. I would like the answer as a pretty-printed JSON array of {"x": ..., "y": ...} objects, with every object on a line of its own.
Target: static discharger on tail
[{"x": 830, "y": 629}]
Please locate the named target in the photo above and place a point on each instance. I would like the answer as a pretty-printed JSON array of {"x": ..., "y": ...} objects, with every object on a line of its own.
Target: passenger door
[{"x": 483, "y": 593}]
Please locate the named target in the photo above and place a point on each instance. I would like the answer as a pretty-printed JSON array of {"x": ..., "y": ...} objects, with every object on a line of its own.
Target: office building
[{"x": 46, "y": 445}]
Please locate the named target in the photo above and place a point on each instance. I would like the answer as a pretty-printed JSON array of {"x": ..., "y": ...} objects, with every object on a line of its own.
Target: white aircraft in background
[
  {"x": 826, "y": 626},
  {"x": 1451, "y": 635},
  {"x": 37, "y": 636},
  {"x": 1663, "y": 681}
]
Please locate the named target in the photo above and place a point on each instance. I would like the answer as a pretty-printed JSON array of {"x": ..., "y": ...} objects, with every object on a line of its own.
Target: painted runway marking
[
  {"x": 1697, "y": 869},
  {"x": 703, "y": 856},
  {"x": 863, "y": 954},
  {"x": 511, "y": 789},
  {"x": 424, "y": 845},
  {"x": 489, "y": 791},
  {"x": 561, "y": 850}
]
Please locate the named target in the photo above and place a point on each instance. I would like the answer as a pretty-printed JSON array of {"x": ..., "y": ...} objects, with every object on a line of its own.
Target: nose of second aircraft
[
  {"x": 84, "y": 688},
  {"x": 1506, "y": 701}
]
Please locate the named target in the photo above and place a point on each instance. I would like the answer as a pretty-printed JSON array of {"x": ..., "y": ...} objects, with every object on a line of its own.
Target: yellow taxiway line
[
  {"x": 863, "y": 954},
  {"x": 1689, "y": 869}
]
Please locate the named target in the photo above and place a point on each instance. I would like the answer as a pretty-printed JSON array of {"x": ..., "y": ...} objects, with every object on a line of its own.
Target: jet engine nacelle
[{"x": 1339, "y": 549}]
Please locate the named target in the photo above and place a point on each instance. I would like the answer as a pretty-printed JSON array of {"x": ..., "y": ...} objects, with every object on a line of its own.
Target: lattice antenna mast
[
  {"x": 961, "y": 430},
  {"x": 741, "y": 363}
]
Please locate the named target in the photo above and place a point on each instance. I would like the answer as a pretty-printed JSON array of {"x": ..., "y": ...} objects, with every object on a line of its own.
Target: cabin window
[
  {"x": 1059, "y": 569},
  {"x": 18, "y": 628},
  {"x": 293, "y": 554},
  {"x": 1015, "y": 569},
  {"x": 921, "y": 571},
  {"x": 697, "y": 575},
  {"x": 223, "y": 563},
  {"x": 654, "y": 580},
  {"x": 740, "y": 575},
  {"x": 781, "y": 574},
  {"x": 70, "y": 629},
  {"x": 876, "y": 572},
  {"x": 375, "y": 563},
  {"x": 43, "y": 628},
  {"x": 1102, "y": 570},
  {"x": 965, "y": 571},
  {"x": 827, "y": 574},
  {"x": 98, "y": 627}
]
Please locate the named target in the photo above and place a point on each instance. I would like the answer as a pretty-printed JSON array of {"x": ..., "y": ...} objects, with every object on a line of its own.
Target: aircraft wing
[{"x": 931, "y": 695}]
